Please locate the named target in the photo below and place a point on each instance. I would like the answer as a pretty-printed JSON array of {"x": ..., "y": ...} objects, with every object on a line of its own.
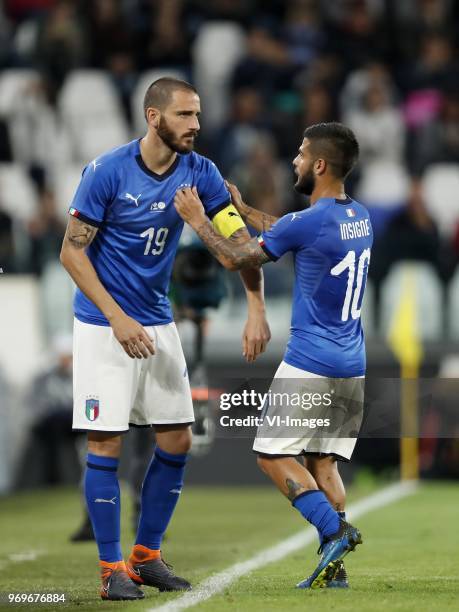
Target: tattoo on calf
[{"x": 294, "y": 489}]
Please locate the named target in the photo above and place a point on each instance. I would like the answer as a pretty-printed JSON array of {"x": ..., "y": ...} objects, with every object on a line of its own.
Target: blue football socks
[
  {"x": 160, "y": 492},
  {"x": 316, "y": 509},
  {"x": 102, "y": 493}
]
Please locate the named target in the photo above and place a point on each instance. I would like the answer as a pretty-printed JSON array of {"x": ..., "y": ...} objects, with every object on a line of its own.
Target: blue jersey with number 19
[
  {"x": 139, "y": 228},
  {"x": 331, "y": 244}
]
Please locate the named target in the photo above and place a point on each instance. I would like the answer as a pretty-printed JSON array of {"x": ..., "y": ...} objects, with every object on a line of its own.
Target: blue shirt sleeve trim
[
  {"x": 85, "y": 219},
  {"x": 271, "y": 256}
]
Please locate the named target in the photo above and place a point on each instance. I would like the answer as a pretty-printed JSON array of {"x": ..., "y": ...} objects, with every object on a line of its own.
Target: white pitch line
[
  {"x": 218, "y": 582},
  {"x": 20, "y": 557}
]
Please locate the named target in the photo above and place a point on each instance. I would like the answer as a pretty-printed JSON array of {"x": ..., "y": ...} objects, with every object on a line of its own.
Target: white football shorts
[
  {"x": 308, "y": 413},
  {"x": 112, "y": 391}
]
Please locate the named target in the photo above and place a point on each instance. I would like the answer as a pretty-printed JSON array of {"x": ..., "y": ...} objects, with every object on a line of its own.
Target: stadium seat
[
  {"x": 91, "y": 110},
  {"x": 144, "y": 81},
  {"x": 21, "y": 328},
  {"x": 65, "y": 182},
  {"x": 56, "y": 292},
  {"x": 384, "y": 183},
  {"x": 13, "y": 84},
  {"x": 441, "y": 188},
  {"x": 426, "y": 290},
  {"x": 383, "y": 188},
  {"x": 18, "y": 196},
  {"x": 213, "y": 68},
  {"x": 452, "y": 307}
]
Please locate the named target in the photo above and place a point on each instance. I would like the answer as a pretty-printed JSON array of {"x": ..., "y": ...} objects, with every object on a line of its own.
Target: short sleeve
[
  {"x": 290, "y": 233},
  {"x": 211, "y": 188},
  {"x": 93, "y": 195}
]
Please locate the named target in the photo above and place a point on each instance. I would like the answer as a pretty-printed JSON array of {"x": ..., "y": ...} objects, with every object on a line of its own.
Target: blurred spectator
[
  {"x": 164, "y": 38},
  {"x": 378, "y": 126},
  {"x": 62, "y": 44},
  {"x": 234, "y": 140},
  {"x": 417, "y": 18},
  {"x": 46, "y": 231},
  {"x": 411, "y": 234},
  {"x": 112, "y": 46},
  {"x": 434, "y": 66},
  {"x": 266, "y": 66},
  {"x": 51, "y": 402},
  {"x": 108, "y": 32},
  {"x": 265, "y": 181},
  {"x": 357, "y": 34},
  {"x": 302, "y": 31},
  {"x": 37, "y": 137},
  {"x": 275, "y": 54},
  {"x": 438, "y": 140},
  {"x": 315, "y": 106},
  {"x": 373, "y": 74}
]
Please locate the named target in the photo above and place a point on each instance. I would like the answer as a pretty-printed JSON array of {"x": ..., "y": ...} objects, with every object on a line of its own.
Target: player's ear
[
  {"x": 153, "y": 117},
  {"x": 320, "y": 166}
]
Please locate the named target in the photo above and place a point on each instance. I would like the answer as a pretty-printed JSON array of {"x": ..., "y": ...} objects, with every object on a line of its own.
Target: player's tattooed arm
[
  {"x": 256, "y": 218},
  {"x": 231, "y": 253},
  {"x": 79, "y": 234},
  {"x": 132, "y": 336}
]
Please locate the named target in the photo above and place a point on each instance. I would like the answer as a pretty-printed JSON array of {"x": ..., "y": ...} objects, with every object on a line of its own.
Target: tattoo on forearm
[
  {"x": 294, "y": 489},
  {"x": 257, "y": 219},
  {"x": 240, "y": 236},
  {"x": 240, "y": 255},
  {"x": 80, "y": 234}
]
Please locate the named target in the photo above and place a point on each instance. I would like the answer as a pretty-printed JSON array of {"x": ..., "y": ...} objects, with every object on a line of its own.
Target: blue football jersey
[
  {"x": 138, "y": 227},
  {"x": 331, "y": 244}
]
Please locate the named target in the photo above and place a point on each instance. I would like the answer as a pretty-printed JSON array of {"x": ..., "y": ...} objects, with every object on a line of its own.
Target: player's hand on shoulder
[
  {"x": 132, "y": 336},
  {"x": 189, "y": 206},
  {"x": 255, "y": 336},
  {"x": 236, "y": 197}
]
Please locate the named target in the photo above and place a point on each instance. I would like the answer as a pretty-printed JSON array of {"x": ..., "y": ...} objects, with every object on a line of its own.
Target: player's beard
[
  {"x": 306, "y": 183},
  {"x": 170, "y": 138}
]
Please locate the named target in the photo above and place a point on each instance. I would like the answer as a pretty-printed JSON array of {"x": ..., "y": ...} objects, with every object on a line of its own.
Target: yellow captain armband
[{"x": 227, "y": 221}]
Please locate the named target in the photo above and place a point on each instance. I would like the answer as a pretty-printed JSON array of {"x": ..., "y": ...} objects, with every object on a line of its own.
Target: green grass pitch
[{"x": 409, "y": 559}]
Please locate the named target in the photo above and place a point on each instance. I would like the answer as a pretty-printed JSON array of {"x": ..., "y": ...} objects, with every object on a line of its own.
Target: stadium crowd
[{"x": 265, "y": 69}]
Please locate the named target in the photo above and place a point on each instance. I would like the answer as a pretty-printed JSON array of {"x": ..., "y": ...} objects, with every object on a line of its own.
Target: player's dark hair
[
  {"x": 336, "y": 144},
  {"x": 159, "y": 93}
]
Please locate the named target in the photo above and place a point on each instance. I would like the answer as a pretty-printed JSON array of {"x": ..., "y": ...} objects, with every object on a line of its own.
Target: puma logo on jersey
[
  {"x": 294, "y": 216},
  {"x": 95, "y": 164},
  {"x": 233, "y": 214},
  {"x": 131, "y": 197}
]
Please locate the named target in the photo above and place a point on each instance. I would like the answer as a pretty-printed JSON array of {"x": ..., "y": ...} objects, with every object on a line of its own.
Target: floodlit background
[{"x": 72, "y": 80}]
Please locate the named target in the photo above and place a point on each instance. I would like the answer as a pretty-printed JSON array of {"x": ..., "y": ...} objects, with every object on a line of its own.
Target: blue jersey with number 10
[
  {"x": 331, "y": 244},
  {"x": 139, "y": 228}
]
